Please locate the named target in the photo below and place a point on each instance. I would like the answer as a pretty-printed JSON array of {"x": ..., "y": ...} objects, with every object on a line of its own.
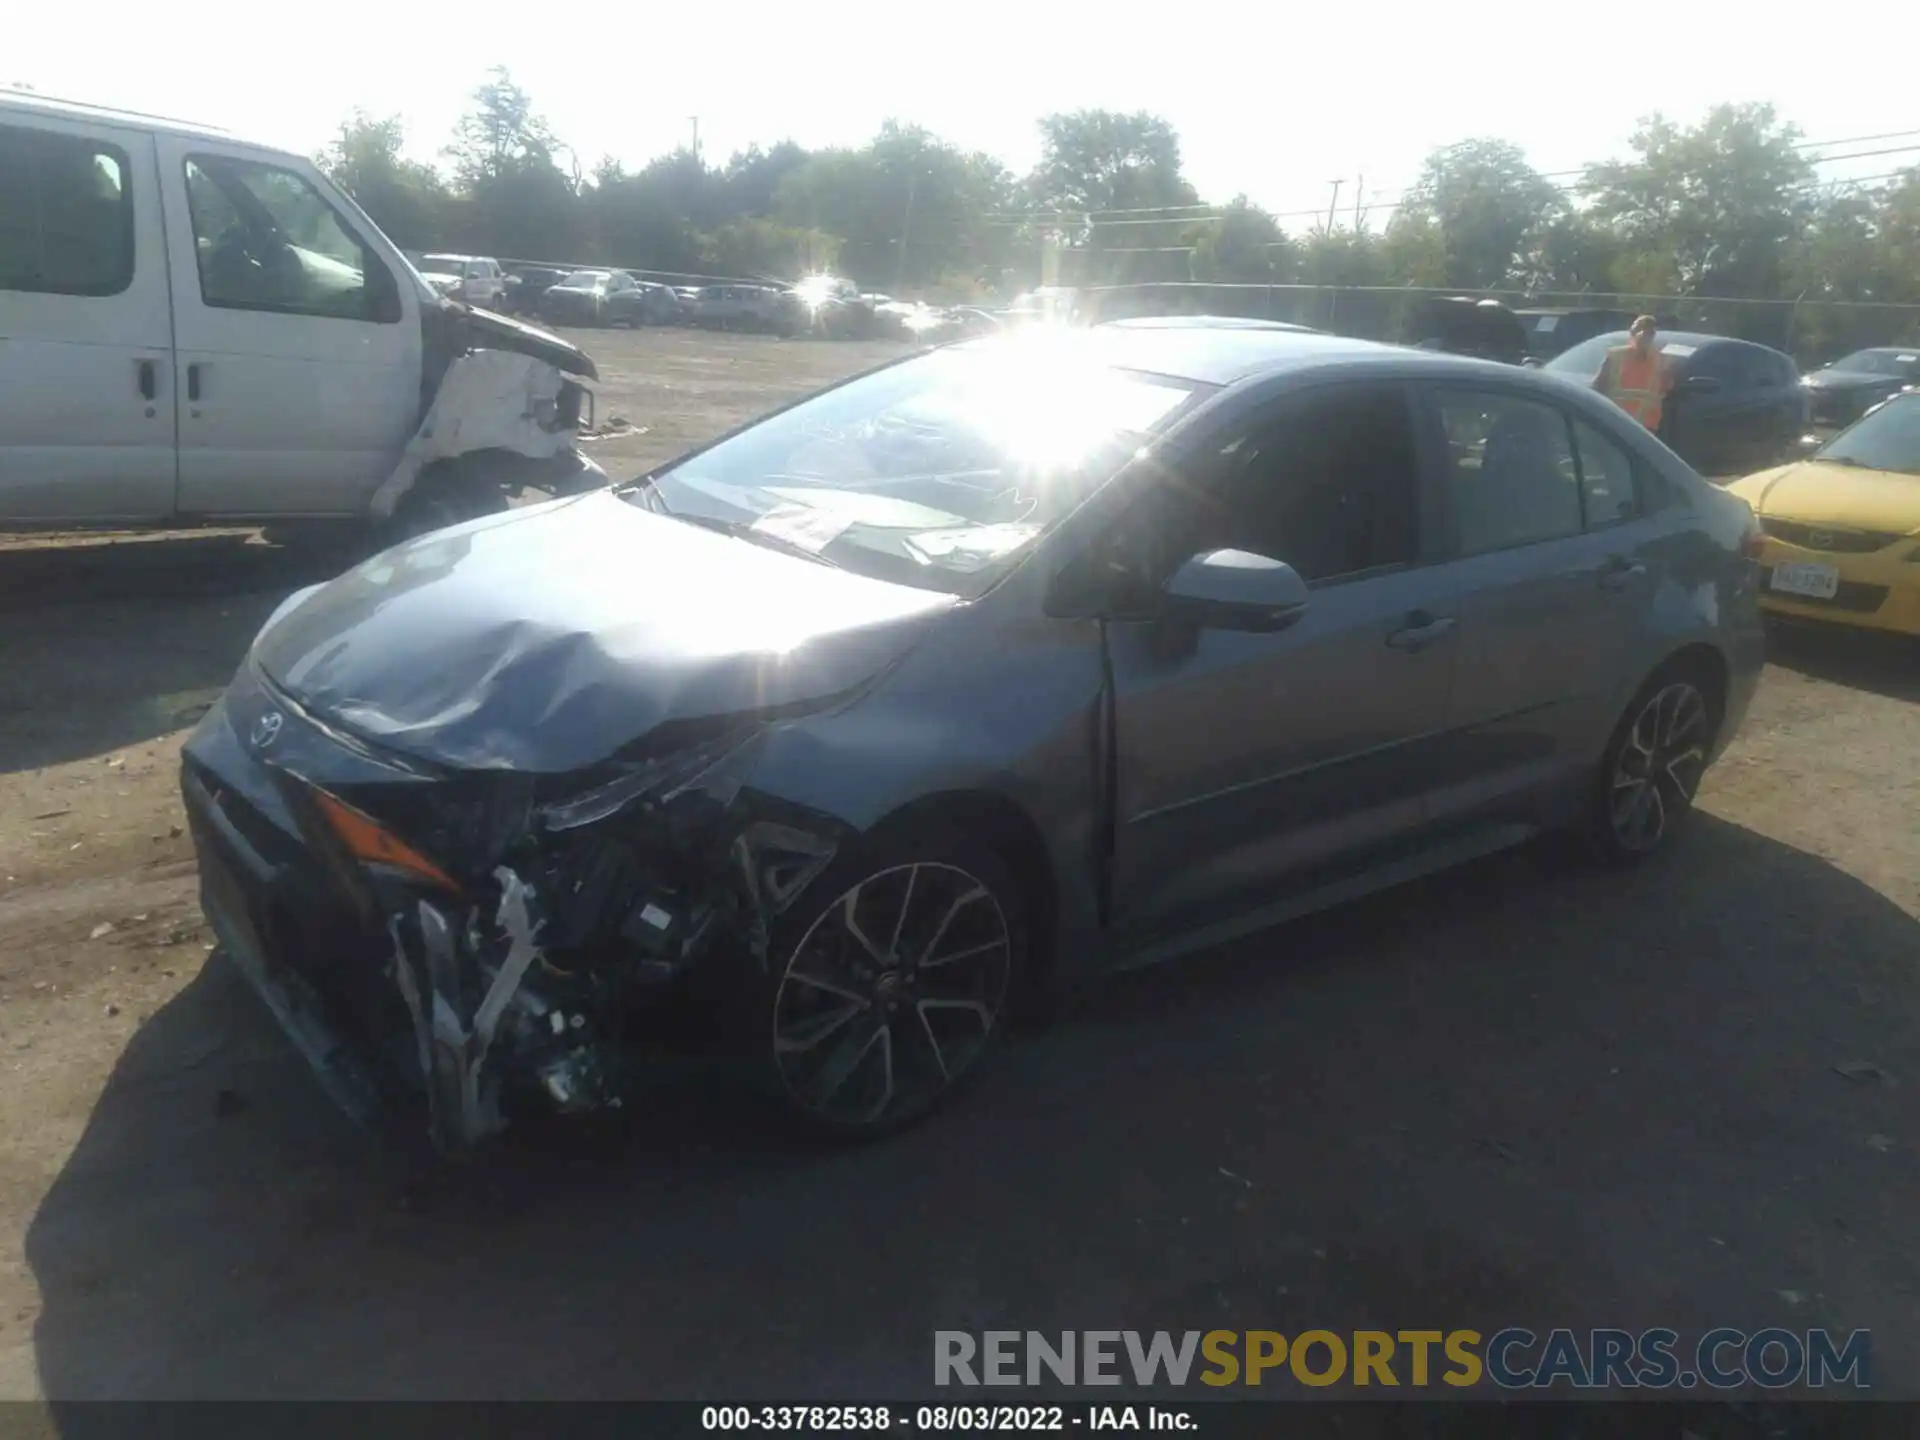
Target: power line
[
  {"x": 1174, "y": 214},
  {"x": 1209, "y": 211}
]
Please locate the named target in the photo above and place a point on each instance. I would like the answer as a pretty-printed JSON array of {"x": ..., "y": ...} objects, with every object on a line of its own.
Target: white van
[{"x": 194, "y": 328}]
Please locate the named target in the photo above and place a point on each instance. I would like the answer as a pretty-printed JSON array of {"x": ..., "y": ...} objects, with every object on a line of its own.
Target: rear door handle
[
  {"x": 1620, "y": 572},
  {"x": 143, "y": 376},
  {"x": 193, "y": 382},
  {"x": 1420, "y": 631}
]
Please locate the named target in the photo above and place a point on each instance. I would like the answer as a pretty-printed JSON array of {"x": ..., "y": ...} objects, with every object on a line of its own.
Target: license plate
[{"x": 1818, "y": 582}]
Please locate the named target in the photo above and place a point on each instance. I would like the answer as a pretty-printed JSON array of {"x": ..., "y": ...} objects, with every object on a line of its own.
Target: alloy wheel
[
  {"x": 892, "y": 994},
  {"x": 1659, "y": 767}
]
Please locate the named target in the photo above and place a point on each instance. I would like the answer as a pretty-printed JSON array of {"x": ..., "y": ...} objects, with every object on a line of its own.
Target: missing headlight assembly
[{"x": 532, "y": 933}]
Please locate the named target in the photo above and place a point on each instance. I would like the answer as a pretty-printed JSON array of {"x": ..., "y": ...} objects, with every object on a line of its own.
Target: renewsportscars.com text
[{"x": 1513, "y": 1358}]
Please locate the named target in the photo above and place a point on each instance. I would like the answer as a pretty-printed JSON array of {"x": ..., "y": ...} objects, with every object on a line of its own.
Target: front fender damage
[
  {"x": 528, "y": 993},
  {"x": 499, "y": 401}
]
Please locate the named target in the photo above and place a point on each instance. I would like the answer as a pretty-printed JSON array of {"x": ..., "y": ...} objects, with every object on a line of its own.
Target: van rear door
[
  {"x": 86, "y": 337},
  {"x": 298, "y": 343}
]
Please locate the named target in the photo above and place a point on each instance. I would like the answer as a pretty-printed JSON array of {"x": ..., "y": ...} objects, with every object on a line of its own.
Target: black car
[
  {"x": 1482, "y": 329},
  {"x": 1849, "y": 387},
  {"x": 527, "y": 285},
  {"x": 607, "y": 297},
  {"x": 1735, "y": 406}
]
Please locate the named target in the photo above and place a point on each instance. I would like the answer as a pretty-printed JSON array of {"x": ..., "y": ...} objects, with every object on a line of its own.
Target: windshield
[
  {"x": 1887, "y": 439},
  {"x": 938, "y": 471},
  {"x": 1583, "y": 361},
  {"x": 1903, "y": 364},
  {"x": 584, "y": 280}
]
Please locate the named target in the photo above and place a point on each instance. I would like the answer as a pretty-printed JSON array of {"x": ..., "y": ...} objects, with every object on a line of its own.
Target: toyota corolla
[{"x": 945, "y": 691}]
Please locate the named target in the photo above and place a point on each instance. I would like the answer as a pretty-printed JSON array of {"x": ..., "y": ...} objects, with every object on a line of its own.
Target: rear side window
[
  {"x": 265, "y": 239},
  {"x": 1608, "y": 490},
  {"x": 66, "y": 214},
  {"x": 1512, "y": 478}
]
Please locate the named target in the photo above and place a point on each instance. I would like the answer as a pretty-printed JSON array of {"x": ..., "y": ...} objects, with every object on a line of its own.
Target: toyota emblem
[
  {"x": 1820, "y": 539},
  {"x": 267, "y": 729}
]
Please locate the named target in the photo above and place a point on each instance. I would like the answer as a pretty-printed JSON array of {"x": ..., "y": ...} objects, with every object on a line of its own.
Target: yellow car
[{"x": 1843, "y": 526}]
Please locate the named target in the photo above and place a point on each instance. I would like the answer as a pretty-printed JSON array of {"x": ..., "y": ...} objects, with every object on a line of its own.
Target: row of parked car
[
  {"x": 819, "y": 305},
  {"x": 1735, "y": 405}
]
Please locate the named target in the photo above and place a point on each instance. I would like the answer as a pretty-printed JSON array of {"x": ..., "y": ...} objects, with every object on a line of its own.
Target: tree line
[{"x": 1730, "y": 207}]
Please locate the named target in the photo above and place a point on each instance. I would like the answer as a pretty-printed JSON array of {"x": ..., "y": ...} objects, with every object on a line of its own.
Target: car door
[
  {"x": 1245, "y": 760},
  {"x": 86, "y": 333},
  {"x": 1552, "y": 568},
  {"x": 1712, "y": 408},
  {"x": 298, "y": 345}
]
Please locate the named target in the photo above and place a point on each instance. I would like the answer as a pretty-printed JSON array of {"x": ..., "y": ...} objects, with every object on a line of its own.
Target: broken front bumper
[{"x": 453, "y": 1011}]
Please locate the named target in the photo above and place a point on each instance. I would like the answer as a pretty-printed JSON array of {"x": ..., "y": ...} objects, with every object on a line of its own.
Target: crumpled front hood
[
  {"x": 547, "y": 638},
  {"x": 1844, "y": 496}
]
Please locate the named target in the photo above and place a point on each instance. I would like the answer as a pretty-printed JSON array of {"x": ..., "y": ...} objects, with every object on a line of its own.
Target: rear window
[{"x": 66, "y": 214}]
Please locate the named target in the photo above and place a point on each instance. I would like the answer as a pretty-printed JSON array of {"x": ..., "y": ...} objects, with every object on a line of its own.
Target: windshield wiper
[{"x": 744, "y": 530}]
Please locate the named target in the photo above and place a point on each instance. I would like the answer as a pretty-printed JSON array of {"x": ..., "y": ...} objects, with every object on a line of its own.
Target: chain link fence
[{"x": 1812, "y": 331}]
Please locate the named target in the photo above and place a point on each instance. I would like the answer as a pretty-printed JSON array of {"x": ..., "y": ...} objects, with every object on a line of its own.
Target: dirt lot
[{"x": 1525, "y": 1093}]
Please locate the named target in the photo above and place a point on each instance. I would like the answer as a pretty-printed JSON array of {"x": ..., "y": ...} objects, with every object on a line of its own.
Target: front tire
[
  {"x": 1653, "y": 766},
  {"x": 889, "y": 987}
]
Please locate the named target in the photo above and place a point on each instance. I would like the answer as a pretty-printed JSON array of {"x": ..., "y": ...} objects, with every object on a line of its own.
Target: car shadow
[
  {"x": 1522, "y": 1093},
  {"x": 111, "y": 644}
]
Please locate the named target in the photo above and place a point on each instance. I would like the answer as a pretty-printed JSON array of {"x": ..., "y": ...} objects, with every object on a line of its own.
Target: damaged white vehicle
[{"x": 194, "y": 329}]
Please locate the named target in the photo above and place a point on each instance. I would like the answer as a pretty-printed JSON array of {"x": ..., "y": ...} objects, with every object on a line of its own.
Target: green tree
[
  {"x": 1722, "y": 202},
  {"x": 513, "y": 198},
  {"x": 1111, "y": 187},
  {"x": 1241, "y": 245},
  {"x": 1486, "y": 200},
  {"x": 405, "y": 198}
]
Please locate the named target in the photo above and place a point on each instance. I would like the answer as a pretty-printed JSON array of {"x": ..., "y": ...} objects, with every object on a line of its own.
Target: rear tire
[
  {"x": 1653, "y": 764},
  {"x": 889, "y": 984}
]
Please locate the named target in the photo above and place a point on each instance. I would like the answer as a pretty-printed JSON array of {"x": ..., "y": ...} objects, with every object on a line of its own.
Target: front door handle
[
  {"x": 1420, "y": 631},
  {"x": 143, "y": 376},
  {"x": 193, "y": 382},
  {"x": 1620, "y": 572}
]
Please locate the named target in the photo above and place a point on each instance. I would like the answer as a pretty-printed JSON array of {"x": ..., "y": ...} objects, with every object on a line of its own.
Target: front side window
[
  {"x": 1329, "y": 484},
  {"x": 265, "y": 239},
  {"x": 1511, "y": 474},
  {"x": 940, "y": 471},
  {"x": 1895, "y": 364},
  {"x": 66, "y": 214}
]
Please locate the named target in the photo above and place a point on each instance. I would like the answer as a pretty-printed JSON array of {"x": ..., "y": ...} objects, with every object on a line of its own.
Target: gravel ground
[{"x": 1523, "y": 1093}]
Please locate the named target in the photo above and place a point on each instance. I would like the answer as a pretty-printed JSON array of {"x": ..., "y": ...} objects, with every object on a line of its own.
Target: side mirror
[
  {"x": 1698, "y": 385},
  {"x": 1236, "y": 590},
  {"x": 1810, "y": 443}
]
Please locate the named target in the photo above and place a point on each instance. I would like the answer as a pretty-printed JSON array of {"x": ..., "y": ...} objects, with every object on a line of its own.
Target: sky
[{"x": 1269, "y": 101}]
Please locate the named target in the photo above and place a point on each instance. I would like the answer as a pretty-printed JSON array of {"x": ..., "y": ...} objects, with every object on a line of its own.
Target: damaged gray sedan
[{"x": 945, "y": 690}]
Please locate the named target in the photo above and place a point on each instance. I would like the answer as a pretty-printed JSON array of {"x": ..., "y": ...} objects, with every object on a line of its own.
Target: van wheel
[
  {"x": 446, "y": 494},
  {"x": 888, "y": 985},
  {"x": 1653, "y": 765}
]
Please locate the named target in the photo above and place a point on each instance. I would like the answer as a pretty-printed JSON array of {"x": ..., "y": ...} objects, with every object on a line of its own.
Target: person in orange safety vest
[{"x": 1636, "y": 376}]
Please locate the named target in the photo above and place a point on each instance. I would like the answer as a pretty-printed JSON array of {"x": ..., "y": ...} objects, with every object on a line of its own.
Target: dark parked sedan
[
  {"x": 1736, "y": 406},
  {"x": 947, "y": 690},
  {"x": 1852, "y": 385}
]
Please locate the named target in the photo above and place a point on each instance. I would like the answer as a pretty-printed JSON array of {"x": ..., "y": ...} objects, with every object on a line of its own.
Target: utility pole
[
  {"x": 906, "y": 227},
  {"x": 1359, "y": 192},
  {"x": 696, "y": 135},
  {"x": 1333, "y": 203}
]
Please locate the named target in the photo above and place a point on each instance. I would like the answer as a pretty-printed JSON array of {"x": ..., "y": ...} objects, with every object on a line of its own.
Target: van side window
[
  {"x": 66, "y": 214},
  {"x": 266, "y": 240}
]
